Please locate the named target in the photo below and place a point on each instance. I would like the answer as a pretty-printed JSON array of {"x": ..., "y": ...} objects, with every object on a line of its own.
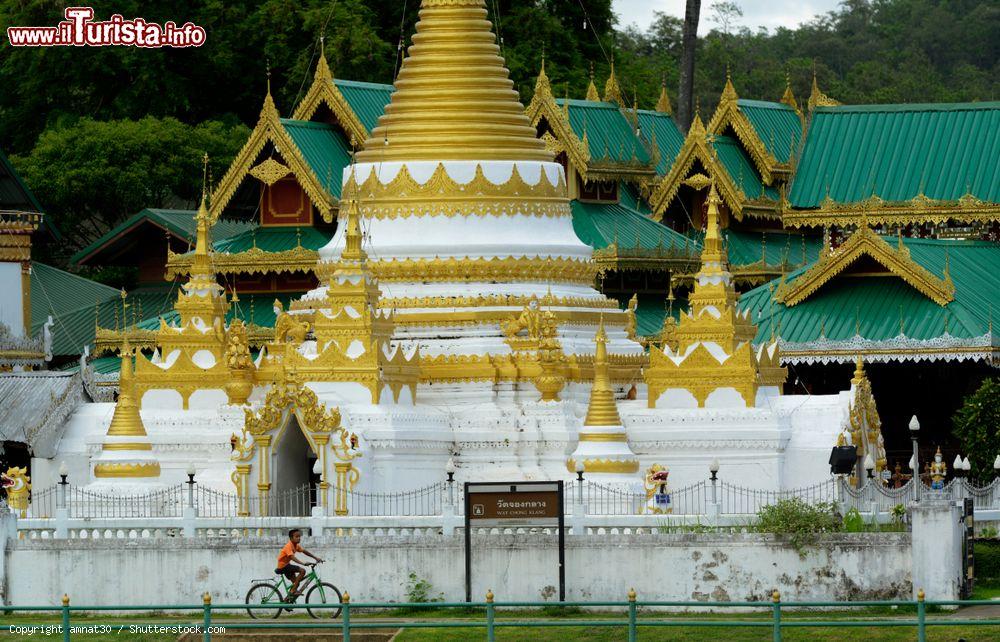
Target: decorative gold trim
[
  {"x": 603, "y": 436},
  {"x": 127, "y": 469},
  {"x": 605, "y": 465},
  {"x": 728, "y": 114},
  {"x": 324, "y": 91},
  {"x": 270, "y": 171},
  {"x": 866, "y": 242},
  {"x": 696, "y": 147},
  {"x": 660, "y": 258},
  {"x": 523, "y": 367},
  {"x": 466, "y": 269},
  {"x": 270, "y": 129},
  {"x": 441, "y": 195},
  {"x": 252, "y": 261},
  {"x": 127, "y": 445},
  {"x": 875, "y": 210},
  {"x": 543, "y": 105},
  {"x": 487, "y": 301}
]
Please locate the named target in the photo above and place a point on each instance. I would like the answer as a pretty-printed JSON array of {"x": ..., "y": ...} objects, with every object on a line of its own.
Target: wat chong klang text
[{"x": 79, "y": 29}]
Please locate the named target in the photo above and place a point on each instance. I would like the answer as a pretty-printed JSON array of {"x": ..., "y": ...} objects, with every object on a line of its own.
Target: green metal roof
[
  {"x": 180, "y": 223},
  {"x": 601, "y": 224},
  {"x": 274, "y": 239},
  {"x": 628, "y": 195},
  {"x": 367, "y": 100},
  {"x": 610, "y": 136},
  {"x": 669, "y": 138},
  {"x": 324, "y": 148},
  {"x": 898, "y": 152},
  {"x": 777, "y": 125},
  {"x": 740, "y": 168},
  {"x": 778, "y": 248},
  {"x": 878, "y": 307},
  {"x": 75, "y": 302}
]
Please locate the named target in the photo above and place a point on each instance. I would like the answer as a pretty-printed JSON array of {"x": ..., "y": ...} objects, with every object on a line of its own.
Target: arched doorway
[{"x": 293, "y": 490}]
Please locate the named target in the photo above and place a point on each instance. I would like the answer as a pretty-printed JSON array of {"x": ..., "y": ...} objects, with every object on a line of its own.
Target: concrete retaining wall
[{"x": 517, "y": 567}]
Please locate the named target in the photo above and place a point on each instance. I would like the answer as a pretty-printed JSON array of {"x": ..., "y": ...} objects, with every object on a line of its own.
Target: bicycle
[{"x": 267, "y": 592}]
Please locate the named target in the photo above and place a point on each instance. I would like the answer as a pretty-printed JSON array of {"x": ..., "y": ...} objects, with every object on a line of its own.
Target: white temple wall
[
  {"x": 815, "y": 422},
  {"x": 11, "y": 306},
  {"x": 676, "y": 398},
  {"x": 516, "y": 567},
  {"x": 725, "y": 398}
]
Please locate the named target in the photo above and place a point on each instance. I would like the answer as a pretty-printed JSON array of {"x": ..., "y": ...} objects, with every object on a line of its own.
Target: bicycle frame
[{"x": 284, "y": 586}]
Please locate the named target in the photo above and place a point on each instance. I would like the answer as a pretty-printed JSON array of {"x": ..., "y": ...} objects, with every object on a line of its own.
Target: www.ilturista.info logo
[{"x": 79, "y": 29}]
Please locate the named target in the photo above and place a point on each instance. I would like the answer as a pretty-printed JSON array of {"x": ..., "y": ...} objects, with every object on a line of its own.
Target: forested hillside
[{"x": 99, "y": 132}]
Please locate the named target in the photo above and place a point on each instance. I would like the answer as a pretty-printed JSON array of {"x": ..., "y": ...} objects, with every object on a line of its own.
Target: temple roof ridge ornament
[
  {"x": 612, "y": 90},
  {"x": 602, "y": 409},
  {"x": 663, "y": 102},
  {"x": 866, "y": 242},
  {"x": 817, "y": 98},
  {"x": 323, "y": 91},
  {"x": 592, "y": 94}
]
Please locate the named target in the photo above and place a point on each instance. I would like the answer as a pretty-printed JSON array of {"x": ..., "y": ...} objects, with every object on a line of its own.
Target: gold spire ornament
[
  {"x": 602, "y": 410},
  {"x": 126, "y": 421},
  {"x": 592, "y": 94},
  {"x": 454, "y": 99},
  {"x": 663, "y": 102},
  {"x": 612, "y": 90}
]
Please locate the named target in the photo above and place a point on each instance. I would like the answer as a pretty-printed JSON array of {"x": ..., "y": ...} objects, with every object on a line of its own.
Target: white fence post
[{"x": 936, "y": 548}]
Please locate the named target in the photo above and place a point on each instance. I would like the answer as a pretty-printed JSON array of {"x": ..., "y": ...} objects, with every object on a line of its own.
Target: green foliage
[
  {"x": 91, "y": 174},
  {"x": 898, "y": 514},
  {"x": 987, "y": 560},
  {"x": 989, "y": 532},
  {"x": 975, "y": 424},
  {"x": 418, "y": 590},
  {"x": 800, "y": 521},
  {"x": 853, "y": 521}
]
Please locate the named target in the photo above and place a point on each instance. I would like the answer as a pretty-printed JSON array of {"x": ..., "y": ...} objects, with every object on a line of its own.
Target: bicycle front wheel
[
  {"x": 261, "y": 595},
  {"x": 324, "y": 593}
]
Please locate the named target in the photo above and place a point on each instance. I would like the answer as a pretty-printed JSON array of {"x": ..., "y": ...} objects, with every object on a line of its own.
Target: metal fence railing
[
  {"x": 630, "y": 614},
  {"x": 607, "y": 499}
]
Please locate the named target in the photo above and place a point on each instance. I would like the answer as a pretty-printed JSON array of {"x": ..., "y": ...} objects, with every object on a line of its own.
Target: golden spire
[
  {"x": 454, "y": 99},
  {"x": 602, "y": 410},
  {"x": 322, "y": 68},
  {"x": 352, "y": 235},
  {"x": 788, "y": 97},
  {"x": 729, "y": 91},
  {"x": 126, "y": 421},
  {"x": 612, "y": 90},
  {"x": 201, "y": 264},
  {"x": 817, "y": 98},
  {"x": 592, "y": 94},
  {"x": 713, "y": 250},
  {"x": 663, "y": 102},
  {"x": 542, "y": 82},
  {"x": 859, "y": 371}
]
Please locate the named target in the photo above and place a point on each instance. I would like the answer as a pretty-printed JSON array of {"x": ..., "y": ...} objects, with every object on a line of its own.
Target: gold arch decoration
[{"x": 323, "y": 91}]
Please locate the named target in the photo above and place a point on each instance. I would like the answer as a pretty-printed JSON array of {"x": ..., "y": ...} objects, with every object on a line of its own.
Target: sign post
[{"x": 507, "y": 504}]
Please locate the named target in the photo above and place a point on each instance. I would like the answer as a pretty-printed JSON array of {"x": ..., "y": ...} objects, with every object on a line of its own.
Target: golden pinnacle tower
[
  {"x": 714, "y": 363},
  {"x": 454, "y": 98},
  {"x": 469, "y": 232},
  {"x": 603, "y": 446}
]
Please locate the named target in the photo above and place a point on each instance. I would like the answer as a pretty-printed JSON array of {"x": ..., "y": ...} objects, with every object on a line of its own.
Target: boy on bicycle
[{"x": 287, "y": 555}]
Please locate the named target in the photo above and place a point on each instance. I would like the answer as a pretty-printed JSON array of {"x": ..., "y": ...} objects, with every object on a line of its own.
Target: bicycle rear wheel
[
  {"x": 264, "y": 594},
  {"x": 324, "y": 593}
]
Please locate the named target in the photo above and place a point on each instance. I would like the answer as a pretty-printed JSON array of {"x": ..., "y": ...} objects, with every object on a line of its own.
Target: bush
[
  {"x": 975, "y": 423},
  {"x": 987, "y": 560},
  {"x": 801, "y": 521}
]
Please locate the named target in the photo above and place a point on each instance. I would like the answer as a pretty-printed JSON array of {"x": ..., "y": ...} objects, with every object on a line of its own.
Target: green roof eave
[
  {"x": 778, "y": 126},
  {"x": 611, "y": 138},
  {"x": 324, "y": 148},
  {"x": 366, "y": 99}
]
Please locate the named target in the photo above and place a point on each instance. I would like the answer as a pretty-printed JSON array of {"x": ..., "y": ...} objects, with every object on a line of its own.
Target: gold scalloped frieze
[
  {"x": 875, "y": 210},
  {"x": 523, "y": 367},
  {"x": 127, "y": 469},
  {"x": 252, "y": 261},
  {"x": 441, "y": 195}
]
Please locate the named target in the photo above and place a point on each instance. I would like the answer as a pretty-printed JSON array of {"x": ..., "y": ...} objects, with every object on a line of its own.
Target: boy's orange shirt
[{"x": 287, "y": 552}]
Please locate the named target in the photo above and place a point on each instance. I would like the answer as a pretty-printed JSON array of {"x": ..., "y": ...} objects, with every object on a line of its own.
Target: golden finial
[
  {"x": 126, "y": 420},
  {"x": 253, "y": 238},
  {"x": 663, "y": 102},
  {"x": 788, "y": 97},
  {"x": 298, "y": 236},
  {"x": 268, "y": 67},
  {"x": 602, "y": 410},
  {"x": 592, "y": 94},
  {"x": 859, "y": 370},
  {"x": 251, "y": 309},
  {"x": 729, "y": 91},
  {"x": 612, "y": 90},
  {"x": 204, "y": 175},
  {"x": 352, "y": 235}
]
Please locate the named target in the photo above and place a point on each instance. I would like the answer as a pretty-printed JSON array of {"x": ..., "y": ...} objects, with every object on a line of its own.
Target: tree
[
  {"x": 91, "y": 175},
  {"x": 725, "y": 14},
  {"x": 685, "y": 94},
  {"x": 977, "y": 425}
]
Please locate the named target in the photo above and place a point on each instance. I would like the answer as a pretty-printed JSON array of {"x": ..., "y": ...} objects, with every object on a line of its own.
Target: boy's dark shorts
[{"x": 289, "y": 571}]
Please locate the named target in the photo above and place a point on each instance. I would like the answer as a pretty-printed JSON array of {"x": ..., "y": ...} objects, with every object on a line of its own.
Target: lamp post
[
  {"x": 714, "y": 469},
  {"x": 996, "y": 466},
  {"x": 579, "y": 481},
  {"x": 915, "y": 462},
  {"x": 957, "y": 466},
  {"x": 190, "y": 482},
  {"x": 63, "y": 474},
  {"x": 449, "y": 470},
  {"x": 869, "y": 466}
]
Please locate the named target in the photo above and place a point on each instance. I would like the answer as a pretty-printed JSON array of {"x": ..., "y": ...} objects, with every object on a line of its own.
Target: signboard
[
  {"x": 514, "y": 504},
  {"x": 661, "y": 500}
]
